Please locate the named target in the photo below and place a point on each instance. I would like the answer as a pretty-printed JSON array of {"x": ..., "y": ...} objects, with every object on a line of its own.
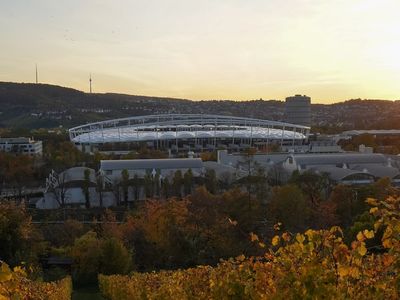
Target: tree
[
  {"x": 188, "y": 182},
  {"x": 148, "y": 184},
  {"x": 157, "y": 184},
  {"x": 288, "y": 206},
  {"x": 136, "y": 187},
  {"x": 19, "y": 241},
  {"x": 255, "y": 179},
  {"x": 58, "y": 186},
  {"x": 163, "y": 240},
  {"x": 63, "y": 155},
  {"x": 115, "y": 258},
  {"x": 177, "y": 183},
  {"x": 93, "y": 255},
  {"x": 276, "y": 175},
  {"x": 210, "y": 179},
  {"x": 63, "y": 235},
  {"x": 86, "y": 186},
  {"x": 19, "y": 173},
  {"x": 116, "y": 189},
  {"x": 86, "y": 253},
  {"x": 100, "y": 187},
  {"x": 314, "y": 186},
  {"x": 343, "y": 197},
  {"x": 166, "y": 188},
  {"x": 125, "y": 185}
]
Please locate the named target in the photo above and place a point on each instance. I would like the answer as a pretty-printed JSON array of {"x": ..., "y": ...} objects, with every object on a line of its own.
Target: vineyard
[
  {"x": 15, "y": 285},
  {"x": 314, "y": 265}
]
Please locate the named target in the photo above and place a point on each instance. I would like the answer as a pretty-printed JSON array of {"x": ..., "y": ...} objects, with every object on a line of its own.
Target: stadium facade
[{"x": 188, "y": 132}]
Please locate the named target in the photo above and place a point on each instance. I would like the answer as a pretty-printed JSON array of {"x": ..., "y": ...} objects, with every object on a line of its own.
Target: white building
[
  {"x": 187, "y": 132},
  {"x": 67, "y": 188},
  {"x": 345, "y": 168},
  {"x": 106, "y": 186},
  {"x": 21, "y": 145}
]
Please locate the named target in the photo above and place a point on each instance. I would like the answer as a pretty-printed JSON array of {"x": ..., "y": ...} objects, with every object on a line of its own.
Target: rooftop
[{"x": 144, "y": 164}]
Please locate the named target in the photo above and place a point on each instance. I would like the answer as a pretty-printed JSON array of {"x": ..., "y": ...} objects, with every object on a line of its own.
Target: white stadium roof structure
[{"x": 172, "y": 128}]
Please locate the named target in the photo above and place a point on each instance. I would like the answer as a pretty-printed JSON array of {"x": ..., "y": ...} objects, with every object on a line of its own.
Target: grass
[{"x": 87, "y": 293}]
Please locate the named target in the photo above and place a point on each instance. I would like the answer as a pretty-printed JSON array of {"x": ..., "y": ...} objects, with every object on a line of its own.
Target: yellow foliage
[
  {"x": 275, "y": 240},
  {"x": 314, "y": 265},
  {"x": 373, "y": 210},
  {"x": 362, "y": 250},
  {"x": 15, "y": 285},
  {"x": 253, "y": 237},
  {"x": 369, "y": 234},
  {"x": 360, "y": 236}
]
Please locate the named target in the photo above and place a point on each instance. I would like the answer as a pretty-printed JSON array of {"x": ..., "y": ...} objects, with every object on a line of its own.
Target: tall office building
[{"x": 298, "y": 110}]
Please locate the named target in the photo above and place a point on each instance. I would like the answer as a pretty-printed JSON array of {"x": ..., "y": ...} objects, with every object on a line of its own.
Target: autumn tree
[
  {"x": 115, "y": 257},
  {"x": 100, "y": 187},
  {"x": 148, "y": 184},
  {"x": 136, "y": 187},
  {"x": 19, "y": 241},
  {"x": 86, "y": 186},
  {"x": 125, "y": 185},
  {"x": 210, "y": 181},
  {"x": 314, "y": 186},
  {"x": 343, "y": 197},
  {"x": 177, "y": 183},
  {"x": 59, "y": 187},
  {"x": 93, "y": 255},
  {"x": 289, "y": 206},
  {"x": 166, "y": 187},
  {"x": 188, "y": 182}
]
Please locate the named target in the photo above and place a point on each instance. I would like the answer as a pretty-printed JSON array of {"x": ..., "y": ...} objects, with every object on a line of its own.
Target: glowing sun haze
[{"x": 207, "y": 49}]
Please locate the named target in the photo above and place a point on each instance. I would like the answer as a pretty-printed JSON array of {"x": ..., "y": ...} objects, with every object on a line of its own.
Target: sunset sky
[{"x": 207, "y": 49}]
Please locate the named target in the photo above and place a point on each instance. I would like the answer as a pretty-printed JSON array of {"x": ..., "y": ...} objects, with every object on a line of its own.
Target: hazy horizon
[{"x": 227, "y": 49}]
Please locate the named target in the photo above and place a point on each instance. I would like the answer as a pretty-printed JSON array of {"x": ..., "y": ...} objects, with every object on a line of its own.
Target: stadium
[{"x": 188, "y": 132}]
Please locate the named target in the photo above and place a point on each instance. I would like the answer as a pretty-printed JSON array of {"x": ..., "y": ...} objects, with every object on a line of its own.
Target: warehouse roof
[
  {"x": 145, "y": 164},
  {"x": 339, "y": 158}
]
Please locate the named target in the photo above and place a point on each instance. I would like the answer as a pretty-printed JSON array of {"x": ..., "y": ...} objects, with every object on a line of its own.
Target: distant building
[
  {"x": 106, "y": 186},
  {"x": 298, "y": 110},
  {"x": 165, "y": 168},
  {"x": 345, "y": 168},
  {"x": 21, "y": 145},
  {"x": 376, "y": 133},
  {"x": 186, "y": 132},
  {"x": 66, "y": 187},
  {"x": 342, "y": 167}
]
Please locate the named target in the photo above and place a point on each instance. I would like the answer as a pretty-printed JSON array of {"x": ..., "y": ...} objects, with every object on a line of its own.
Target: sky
[{"x": 330, "y": 50}]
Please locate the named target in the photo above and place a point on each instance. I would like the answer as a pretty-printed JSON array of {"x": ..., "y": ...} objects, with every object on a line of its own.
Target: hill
[{"x": 27, "y": 105}]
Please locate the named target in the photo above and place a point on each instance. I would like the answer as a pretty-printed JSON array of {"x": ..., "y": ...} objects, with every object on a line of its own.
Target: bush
[
  {"x": 93, "y": 256},
  {"x": 115, "y": 258}
]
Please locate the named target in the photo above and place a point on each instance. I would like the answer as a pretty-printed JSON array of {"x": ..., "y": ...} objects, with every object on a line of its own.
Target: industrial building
[
  {"x": 345, "y": 168},
  {"x": 163, "y": 168},
  {"x": 106, "y": 186}
]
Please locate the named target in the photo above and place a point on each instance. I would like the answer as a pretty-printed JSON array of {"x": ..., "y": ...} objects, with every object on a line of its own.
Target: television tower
[
  {"x": 36, "y": 75},
  {"x": 90, "y": 82}
]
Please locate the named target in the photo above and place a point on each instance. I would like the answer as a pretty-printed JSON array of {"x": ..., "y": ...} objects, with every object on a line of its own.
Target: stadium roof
[{"x": 184, "y": 126}]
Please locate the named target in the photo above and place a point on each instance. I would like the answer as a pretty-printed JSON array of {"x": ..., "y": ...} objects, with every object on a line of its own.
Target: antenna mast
[
  {"x": 36, "y": 75},
  {"x": 90, "y": 82}
]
